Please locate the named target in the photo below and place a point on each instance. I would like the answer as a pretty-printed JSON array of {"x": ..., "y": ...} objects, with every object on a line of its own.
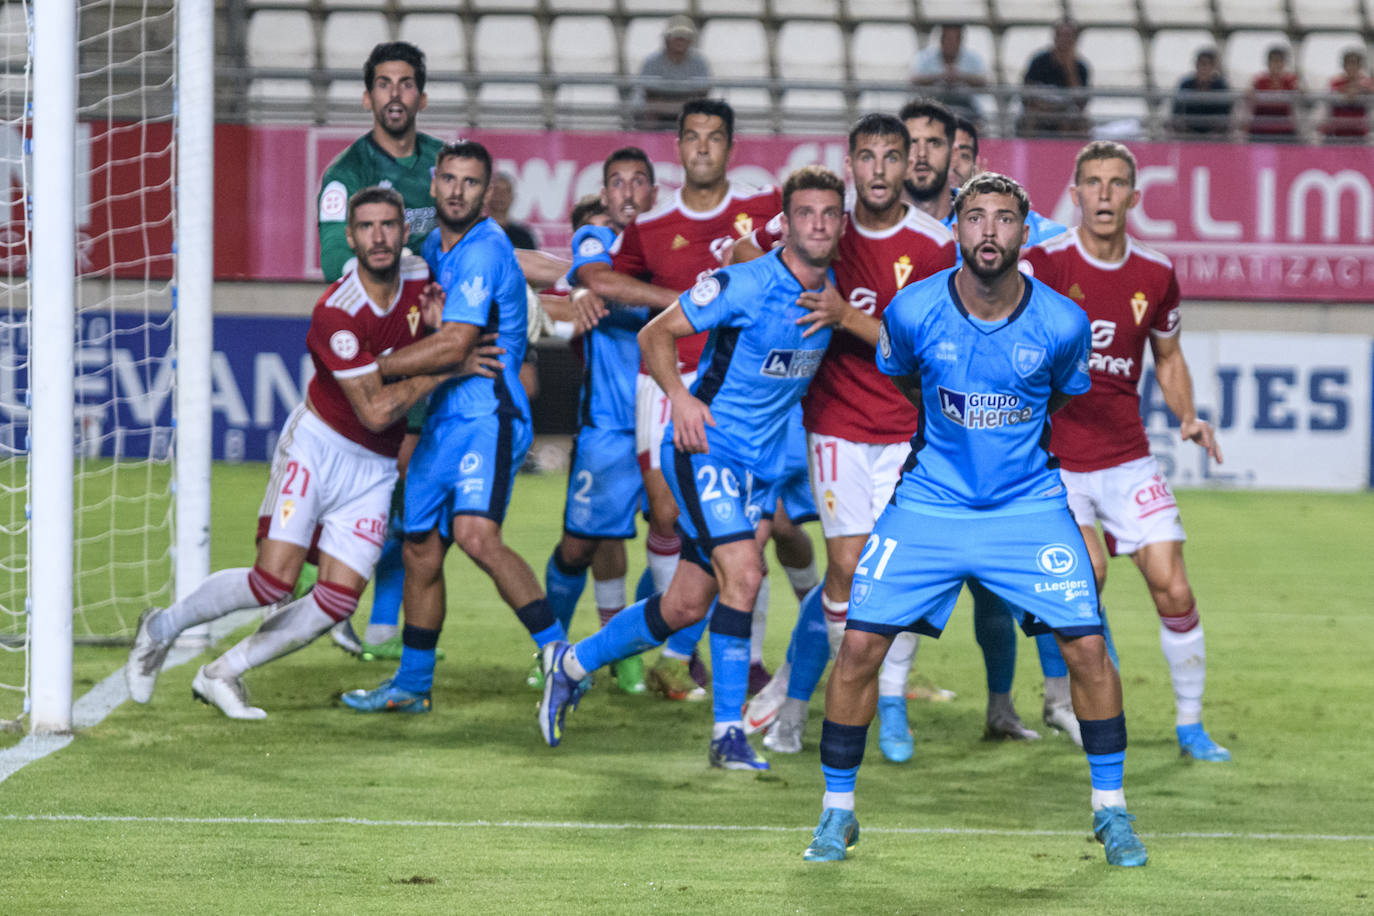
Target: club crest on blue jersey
[
  {"x": 791, "y": 363},
  {"x": 470, "y": 463},
  {"x": 476, "y": 291},
  {"x": 724, "y": 509},
  {"x": 858, "y": 592},
  {"x": 980, "y": 410},
  {"x": 1027, "y": 359},
  {"x": 1057, "y": 559}
]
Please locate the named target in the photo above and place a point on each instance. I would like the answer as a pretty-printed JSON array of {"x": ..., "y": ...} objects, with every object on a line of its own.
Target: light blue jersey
[
  {"x": 483, "y": 286},
  {"x": 610, "y": 351},
  {"x": 756, "y": 364},
  {"x": 1041, "y": 227},
  {"x": 983, "y": 440}
]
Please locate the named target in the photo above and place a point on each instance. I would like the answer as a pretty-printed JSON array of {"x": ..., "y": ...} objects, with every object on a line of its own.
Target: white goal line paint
[{"x": 587, "y": 825}]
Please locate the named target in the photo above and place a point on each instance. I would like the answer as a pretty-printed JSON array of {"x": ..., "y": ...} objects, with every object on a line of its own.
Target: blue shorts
[
  {"x": 605, "y": 487},
  {"x": 794, "y": 491},
  {"x": 463, "y": 467},
  {"x": 913, "y": 566},
  {"x": 719, "y": 501}
]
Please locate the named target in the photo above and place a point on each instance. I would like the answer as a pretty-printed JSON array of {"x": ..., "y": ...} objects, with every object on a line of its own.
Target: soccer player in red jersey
[
  {"x": 660, "y": 254},
  {"x": 334, "y": 468},
  {"x": 1131, "y": 296}
]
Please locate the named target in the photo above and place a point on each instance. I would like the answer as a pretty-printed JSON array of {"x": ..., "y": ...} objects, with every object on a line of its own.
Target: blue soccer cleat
[
  {"x": 561, "y": 693},
  {"x": 732, "y": 751},
  {"x": 834, "y": 837},
  {"x": 894, "y": 734},
  {"x": 1194, "y": 742},
  {"x": 386, "y": 698},
  {"x": 1112, "y": 827}
]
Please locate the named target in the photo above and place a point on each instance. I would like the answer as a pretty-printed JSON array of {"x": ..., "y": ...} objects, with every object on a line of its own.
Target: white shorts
[
  {"x": 652, "y": 413},
  {"x": 852, "y": 481},
  {"x": 1132, "y": 500},
  {"x": 320, "y": 477}
]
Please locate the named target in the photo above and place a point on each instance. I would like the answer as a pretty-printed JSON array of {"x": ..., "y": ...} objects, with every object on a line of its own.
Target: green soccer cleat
[
  {"x": 1112, "y": 827},
  {"x": 629, "y": 675},
  {"x": 836, "y": 834},
  {"x": 534, "y": 678},
  {"x": 671, "y": 678},
  {"x": 386, "y": 650}
]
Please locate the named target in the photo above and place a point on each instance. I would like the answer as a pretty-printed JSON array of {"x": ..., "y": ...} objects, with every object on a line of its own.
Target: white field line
[{"x": 591, "y": 825}]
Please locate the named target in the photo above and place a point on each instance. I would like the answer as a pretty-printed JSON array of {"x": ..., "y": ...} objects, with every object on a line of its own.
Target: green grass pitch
[{"x": 172, "y": 808}]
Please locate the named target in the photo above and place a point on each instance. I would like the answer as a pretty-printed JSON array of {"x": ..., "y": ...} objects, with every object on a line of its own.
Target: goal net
[{"x": 124, "y": 340}]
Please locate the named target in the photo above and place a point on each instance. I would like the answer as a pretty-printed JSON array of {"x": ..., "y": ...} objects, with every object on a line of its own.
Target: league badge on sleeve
[
  {"x": 705, "y": 291},
  {"x": 590, "y": 247},
  {"x": 884, "y": 342},
  {"x": 333, "y": 202},
  {"x": 344, "y": 344}
]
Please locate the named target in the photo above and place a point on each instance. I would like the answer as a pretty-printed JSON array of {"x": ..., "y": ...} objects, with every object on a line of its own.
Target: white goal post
[{"x": 54, "y": 293}]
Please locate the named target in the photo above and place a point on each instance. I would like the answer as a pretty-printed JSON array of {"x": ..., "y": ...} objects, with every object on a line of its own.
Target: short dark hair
[
  {"x": 810, "y": 178},
  {"x": 403, "y": 51},
  {"x": 968, "y": 127},
  {"x": 1208, "y": 53},
  {"x": 465, "y": 149},
  {"x": 878, "y": 125},
  {"x": 718, "y": 108},
  {"x": 627, "y": 154},
  {"x": 1276, "y": 49},
  {"x": 992, "y": 183},
  {"x": 1103, "y": 149},
  {"x": 1352, "y": 52},
  {"x": 585, "y": 208},
  {"x": 935, "y": 110},
  {"x": 376, "y": 194}
]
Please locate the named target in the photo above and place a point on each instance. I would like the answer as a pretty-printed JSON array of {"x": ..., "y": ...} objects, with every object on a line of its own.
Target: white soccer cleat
[
  {"x": 344, "y": 637},
  {"x": 785, "y": 734},
  {"x": 145, "y": 660},
  {"x": 762, "y": 709},
  {"x": 1060, "y": 717},
  {"x": 228, "y": 694}
]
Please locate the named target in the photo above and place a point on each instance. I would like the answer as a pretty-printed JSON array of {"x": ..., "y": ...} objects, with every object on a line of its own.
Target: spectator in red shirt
[
  {"x": 1271, "y": 97},
  {"x": 1349, "y": 117}
]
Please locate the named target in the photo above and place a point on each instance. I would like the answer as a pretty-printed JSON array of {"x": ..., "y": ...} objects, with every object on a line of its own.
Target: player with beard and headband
[
  {"x": 858, "y": 425},
  {"x": 988, "y": 355},
  {"x": 334, "y": 468},
  {"x": 726, "y": 454},
  {"x": 393, "y": 154},
  {"x": 1131, "y": 295},
  {"x": 605, "y": 489},
  {"x": 475, "y": 437},
  {"x": 660, "y": 254}
]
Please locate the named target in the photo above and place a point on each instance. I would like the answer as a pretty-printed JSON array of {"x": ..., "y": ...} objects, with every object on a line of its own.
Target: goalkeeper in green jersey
[{"x": 394, "y": 154}]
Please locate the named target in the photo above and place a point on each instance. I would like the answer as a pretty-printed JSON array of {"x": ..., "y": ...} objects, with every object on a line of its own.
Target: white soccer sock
[
  {"x": 1108, "y": 798},
  {"x": 1186, "y": 654},
  {"x": 571, "y": 666},
  {"x": 378, "y": 633},
  {"x": 221, "y": 592},
  {"x": 897, "y": 665},
  {"x": 719, "y": 729},
  {"x": 842, "y": 800},
  {"x": 836, "y": 615},
  {"x": 759, "y": 625},
  {"x": 802, "y": 578},
  {"x": 284, "y": 631},
  {"x": 662, "y": 556},
  {"x": 610, "y": 597},
  {"x": 1057, "y": 691}
]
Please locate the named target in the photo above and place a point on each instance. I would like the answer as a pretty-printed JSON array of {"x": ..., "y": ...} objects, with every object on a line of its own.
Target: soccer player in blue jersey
[
  {"x": 725, "y": 449},
  {"x": 475, "y": 437},
  {"x": 988, "y": 355},
  {"x": 605, "y": 488}
]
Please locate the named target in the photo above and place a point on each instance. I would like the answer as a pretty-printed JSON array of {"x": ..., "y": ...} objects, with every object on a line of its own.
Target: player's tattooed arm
[
  {"x": 442, "y": 351},
  {"x": 828, "y": 309},
  {"x": 909, "y": 386},
  {"x": 378, "y": 405},
  {"x": 1176, "y": 384},
  {"x": 658, "y": 346}
]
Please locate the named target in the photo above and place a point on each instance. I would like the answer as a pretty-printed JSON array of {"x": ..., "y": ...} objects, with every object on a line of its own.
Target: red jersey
[
  {"x": 1126, "y": 302},
  {"x": 1273, "y": 116},
  {"x": 347, "y": 334},
  {"x": 674, "y": 247},
  {"x": 1349, "y": 117},
  {"x": 849, "y": 397}
]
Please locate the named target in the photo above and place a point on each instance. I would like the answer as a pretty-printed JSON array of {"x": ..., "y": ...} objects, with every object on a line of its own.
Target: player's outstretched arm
[
  {"x": 541, "y": 269},
  {"x": 657, "y": 345},
  {"x": 1176, "y": 383},
  {"x": 613, "y": 286},
  {"x": 442, "y": 351},
  {"x": 380, "y": 405}
]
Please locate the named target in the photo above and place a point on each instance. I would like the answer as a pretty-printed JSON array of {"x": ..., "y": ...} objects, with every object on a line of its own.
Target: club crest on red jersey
[
  {"x": 1139, "y": 305},
  {"x": 413, "y": 319},
  {"x": 901, "y": 270},
  {"x": 744, "y": 224}
]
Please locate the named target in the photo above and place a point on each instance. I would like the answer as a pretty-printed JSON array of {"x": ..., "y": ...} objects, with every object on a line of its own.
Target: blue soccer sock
[
  {"x": 563, "y": 584},
  {"x": 809, "y": 650},
  {"x": 996, "y": 635},
  {"x": 842, "y": 752},
  {"x": 1052, "y": 662},
  {"x": 639, "y": 627},
  {"x": 1104, "y": 743},
  {"x": 539, "y": 620},
  {"x": 416, "y": 672},
  {"x": 387, "y": 584},
  {"x": 730, "y": 629},
  {"x": 645, "y": 586},
  {"x": 684, "y": 642}
]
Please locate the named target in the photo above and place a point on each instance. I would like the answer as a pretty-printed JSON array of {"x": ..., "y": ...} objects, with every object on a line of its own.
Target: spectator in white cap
[{"x": 670, "y": 76}]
